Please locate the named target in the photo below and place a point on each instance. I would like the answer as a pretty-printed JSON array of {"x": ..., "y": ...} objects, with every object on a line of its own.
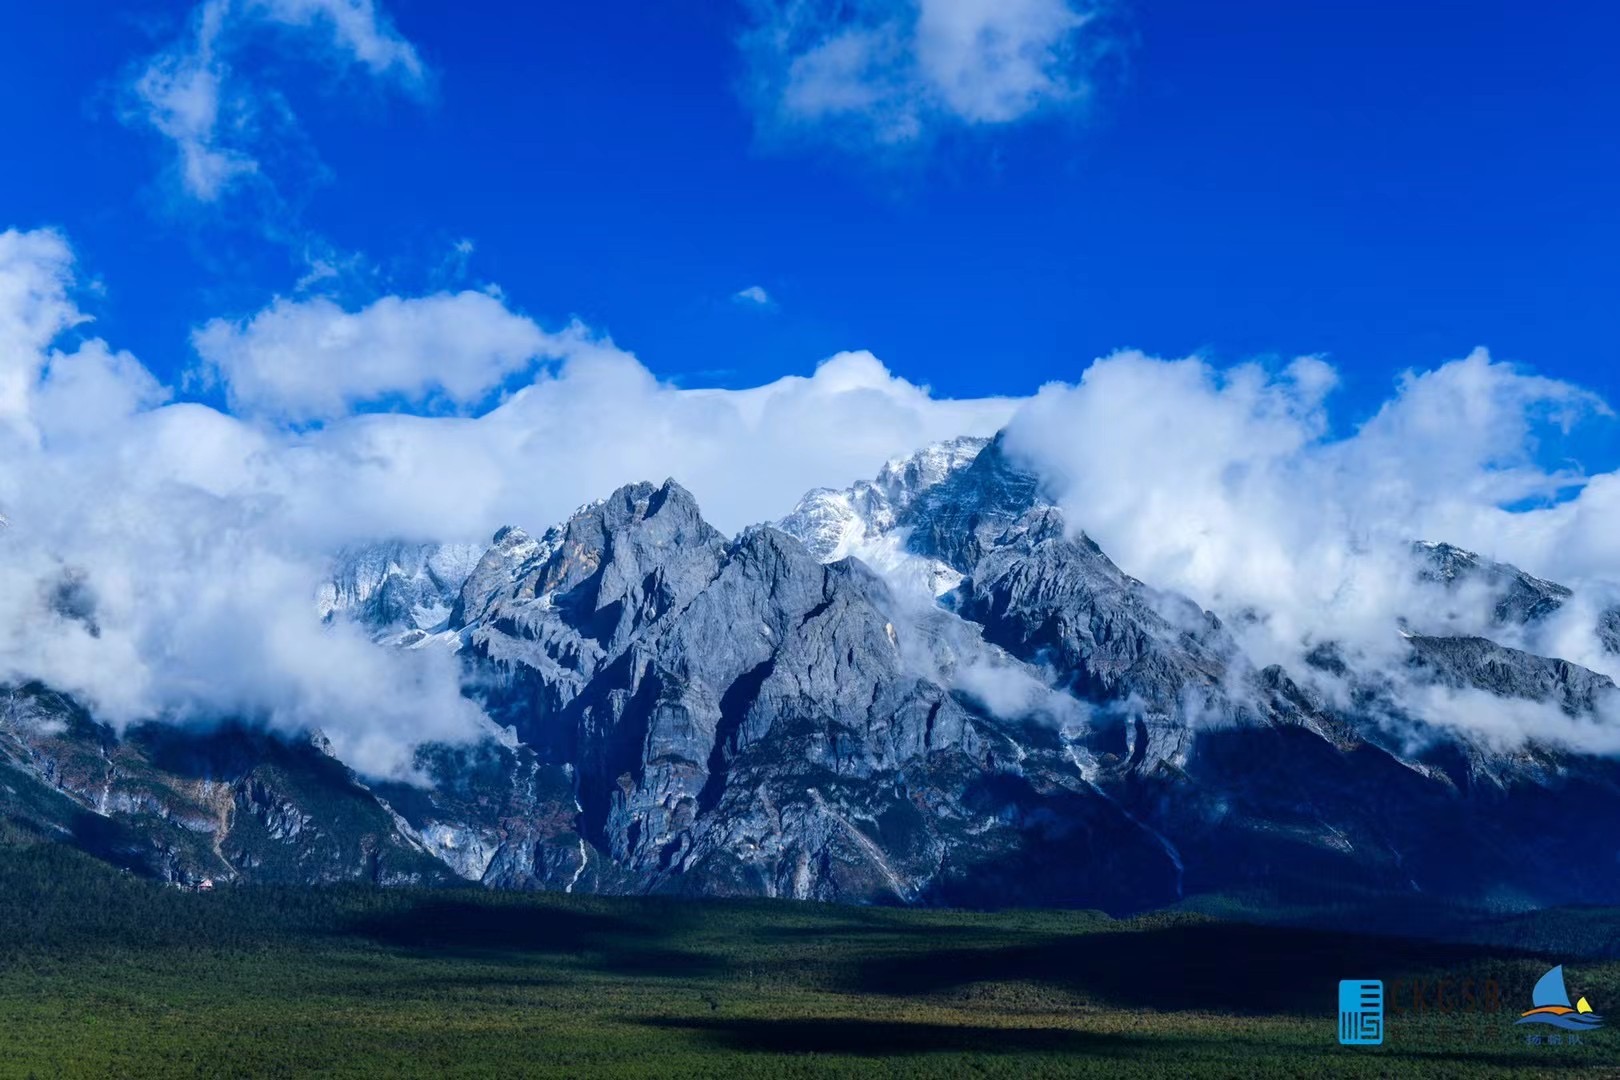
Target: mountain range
[{"x": 929, "y": 688}]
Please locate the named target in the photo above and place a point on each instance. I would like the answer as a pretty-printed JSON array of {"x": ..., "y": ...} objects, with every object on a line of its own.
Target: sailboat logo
[{"x": 1552, "y": 1006}]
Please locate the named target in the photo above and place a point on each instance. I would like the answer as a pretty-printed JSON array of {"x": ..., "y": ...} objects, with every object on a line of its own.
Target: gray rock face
[
  {"x": 738, "y": 718},
  {"x": 1518, "y": 597},
  {"x": 832, "y": 524},
  {"x": 1609, "y": 630},
  {"x": 179, "y": 804},
  {"x": 495, "y": 813},
  {"x": 1061, "y": 604},
  {"x": 1249, "y": 777},
  {"x": 1481, "y": 664},
  {"x": 960, "y": 519},
  {"x": 1042, "y": 596}
]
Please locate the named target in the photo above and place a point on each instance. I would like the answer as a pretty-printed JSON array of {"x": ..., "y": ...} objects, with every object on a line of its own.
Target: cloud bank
[
  {"x": 315, "y": 361},
  {"x": 892, "y": 73},
  {"x": 191, "y": 540},
  {"x": 1229, "y": 486}
]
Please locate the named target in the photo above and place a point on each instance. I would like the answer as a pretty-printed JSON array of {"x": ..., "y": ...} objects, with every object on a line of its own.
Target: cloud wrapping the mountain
[
  {"x": 1505, "y": 723},
  {"x": 197, "y": 538},
  {"x": 1228, "y": 486},
  {"x": 601, "y": 419},
  {"x": 895, "y": 72},
  {"x": 191, "y": 596}
]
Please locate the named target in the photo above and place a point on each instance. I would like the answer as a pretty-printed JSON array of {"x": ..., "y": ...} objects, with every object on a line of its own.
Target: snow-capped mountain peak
[
  {"x": 397, "y": 587},
  {"x": 860, "y": 520},
  {"x": 902, "y": 479}
]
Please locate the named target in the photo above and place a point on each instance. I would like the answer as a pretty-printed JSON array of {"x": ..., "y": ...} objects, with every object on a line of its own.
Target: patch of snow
[
  {"x": 837, "y": 524},
  {"x": 461, "y": 849},
  {"x": 391, "y": 586},
  {"x": 583, "y": 859}
]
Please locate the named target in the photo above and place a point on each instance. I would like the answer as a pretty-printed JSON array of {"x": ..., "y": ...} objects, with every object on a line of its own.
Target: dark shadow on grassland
[
  {"x": 485, "y": 931},
  {"x": 932, "y": 922},
  {"x": 1571, "y": 933},
  {"x": 880, "y": 1038},
  {"x": 898, "y": 1038},
  {"x": 451, "y": 925},
  {"x": 1209, "y": 967},
  {"x": 502, "y": 982}
]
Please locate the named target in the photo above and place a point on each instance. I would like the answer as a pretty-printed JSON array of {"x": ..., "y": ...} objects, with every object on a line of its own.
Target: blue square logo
[{"x": 1361, "y": 1012}]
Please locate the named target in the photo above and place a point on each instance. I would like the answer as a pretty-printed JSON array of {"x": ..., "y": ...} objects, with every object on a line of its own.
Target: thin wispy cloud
[
  {"x": 753, "y": 296},
  {"x": 891, "y": 74},
  {"x": 205, "y": 101}
]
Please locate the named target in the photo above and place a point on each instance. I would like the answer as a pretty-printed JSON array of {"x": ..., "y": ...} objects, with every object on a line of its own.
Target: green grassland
[{"x": 106, "y": 975}]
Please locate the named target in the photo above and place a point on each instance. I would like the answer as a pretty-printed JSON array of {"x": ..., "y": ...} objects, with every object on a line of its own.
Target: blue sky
[
  {"x": 1385, "y": 184},
  {"x": 242, "y": 242}
]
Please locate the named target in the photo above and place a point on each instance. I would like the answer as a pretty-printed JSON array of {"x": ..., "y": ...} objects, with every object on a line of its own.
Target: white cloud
[
  {"x": 1228, "y": 486},
  {"x": 1506, "y": 723},
  {"x": 201, "y": 535},
  {"x": 169, "y": 516},
  {"x": 312, "y": 360},
  {"x": 896, "y": 72},
  {"x": 357, "y": 28},
  {"x": 755, "y": 295},
  {"x": 34, "y": 309},
  {"x": 87, "y": 393},
  {"x": 211, "y": 110},
  {"x": 601, "y": 419}
]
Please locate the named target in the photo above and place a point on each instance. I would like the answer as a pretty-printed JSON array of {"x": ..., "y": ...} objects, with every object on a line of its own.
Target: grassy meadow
[{"x": 106, "y": 975}]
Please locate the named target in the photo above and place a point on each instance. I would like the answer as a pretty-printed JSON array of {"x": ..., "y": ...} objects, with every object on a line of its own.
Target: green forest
[{"x": 105, "y": 974}]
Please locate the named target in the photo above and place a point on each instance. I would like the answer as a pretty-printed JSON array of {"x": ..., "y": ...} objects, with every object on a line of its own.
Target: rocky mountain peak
[
  {"x": 511, "y": 538},
  {"x": 902, "y": 479},
  {"x": 397, "y": 586},
  {"x": 604, "y": 554},
  {"x": 960, "y": 518},
  {"x": 833, "y": 524},
  {"x": 1519, "y": 598},
  {"x": 1464, "y": 662}
]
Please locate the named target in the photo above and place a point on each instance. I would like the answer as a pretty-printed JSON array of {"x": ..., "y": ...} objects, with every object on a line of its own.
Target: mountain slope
[
  {"x": 1251, "y": 777},
  {"x": 183, "y": 804},
  {"x": 981, "y": 708},
  {"x": 740, "y": 718}
]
